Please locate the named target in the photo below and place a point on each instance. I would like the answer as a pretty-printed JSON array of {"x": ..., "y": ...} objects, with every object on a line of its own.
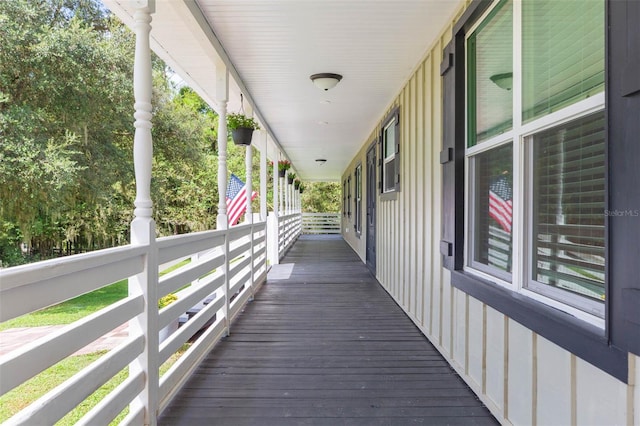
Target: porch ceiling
[{"x": 272, "y": 47}]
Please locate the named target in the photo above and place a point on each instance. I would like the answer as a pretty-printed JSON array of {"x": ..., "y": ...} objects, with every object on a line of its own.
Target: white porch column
[
  {"x": 143, "y": 232},
  {"x": 287, "y": 205},
  {"x": 263, "y": 178},
  {"x": 276, "y": 186},
  {"x": 249, "y": 213},
  {"x": 222, "y": 97},
  {"x": 272, "y": 218},
  {"x": 248, "y": 164}
]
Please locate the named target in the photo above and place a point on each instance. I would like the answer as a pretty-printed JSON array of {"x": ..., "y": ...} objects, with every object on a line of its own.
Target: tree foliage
[
  {"x": 321, "y": 197},
  {"x": 66, "y": 134}
]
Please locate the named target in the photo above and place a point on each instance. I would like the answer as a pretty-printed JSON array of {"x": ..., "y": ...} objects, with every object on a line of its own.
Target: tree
[
  {"x": 66, "y": 135},
  {"x": 321, "y": 197}
]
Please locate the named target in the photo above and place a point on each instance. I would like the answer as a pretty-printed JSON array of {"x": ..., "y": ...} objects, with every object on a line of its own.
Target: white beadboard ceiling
[{"x": 273, "y": 46}]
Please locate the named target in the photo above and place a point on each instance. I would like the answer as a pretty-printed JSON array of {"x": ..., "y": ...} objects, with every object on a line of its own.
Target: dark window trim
[
  {"x": 349, "y": 196},
  {"x": 390, "y": 195},
  {"x": 578, "y": 337},
  {"x": 344, "y": 198},
  {"x": 606, "y": 349},
  {"x": 357, "y": 220}
]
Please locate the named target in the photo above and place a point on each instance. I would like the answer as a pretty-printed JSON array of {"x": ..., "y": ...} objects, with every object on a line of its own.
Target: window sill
[
  {"x": 389, "y": 196},
  {"x": 579, "y": 337}
]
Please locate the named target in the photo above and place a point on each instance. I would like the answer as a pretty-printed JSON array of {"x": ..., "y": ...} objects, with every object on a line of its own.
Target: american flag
[
  {"x": 237, "y": 199},
  {"x": 500, "y": 202}
]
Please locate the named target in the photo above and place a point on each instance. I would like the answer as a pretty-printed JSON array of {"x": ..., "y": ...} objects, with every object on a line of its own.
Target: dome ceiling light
[{"x": 325, "y": 80}]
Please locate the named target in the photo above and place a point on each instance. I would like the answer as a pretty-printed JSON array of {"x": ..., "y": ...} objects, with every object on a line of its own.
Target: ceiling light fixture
[
  {"x": 503, "y": 81},
  {"x": 321, "y": 161},
  {"x": 326, "y": 80}
]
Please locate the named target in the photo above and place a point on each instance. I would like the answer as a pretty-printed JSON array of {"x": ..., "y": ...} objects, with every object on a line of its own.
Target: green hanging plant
[
  {"x": 284, "y": 165},
  {"x": 239, "y": 120}
]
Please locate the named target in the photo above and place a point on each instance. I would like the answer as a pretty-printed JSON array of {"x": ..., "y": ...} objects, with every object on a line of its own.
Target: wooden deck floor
[{"x": 324, "y": 344}]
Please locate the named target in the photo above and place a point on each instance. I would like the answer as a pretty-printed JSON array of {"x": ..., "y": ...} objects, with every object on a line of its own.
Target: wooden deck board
[{"x": 324, "y": 344}]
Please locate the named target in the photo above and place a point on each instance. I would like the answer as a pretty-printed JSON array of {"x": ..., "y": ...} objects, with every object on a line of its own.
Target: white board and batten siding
[{"x": 523, "y": 378}]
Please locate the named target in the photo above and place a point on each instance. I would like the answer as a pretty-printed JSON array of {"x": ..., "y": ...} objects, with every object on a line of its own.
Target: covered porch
[
  {"x": 367, "y": 327},
  {"x": 323, "y": 343}
]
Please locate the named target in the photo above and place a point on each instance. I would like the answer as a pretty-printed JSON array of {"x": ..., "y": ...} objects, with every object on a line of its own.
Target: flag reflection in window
[{"x": 492, "y": 205}]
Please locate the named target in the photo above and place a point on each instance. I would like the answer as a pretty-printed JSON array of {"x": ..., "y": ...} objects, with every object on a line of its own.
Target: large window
[{"x": 536, "y": 151}]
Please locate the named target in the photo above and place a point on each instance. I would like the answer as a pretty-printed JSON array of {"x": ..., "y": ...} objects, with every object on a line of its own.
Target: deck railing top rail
[
  {"x": 221, "y": 268},
  {"x": 321, "y": 223}
]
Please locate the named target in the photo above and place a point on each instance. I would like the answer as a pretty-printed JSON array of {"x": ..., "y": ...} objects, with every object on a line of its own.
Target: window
[
  {"x": 349, "y": 196},
  {"x": 357, "y": 177},
  {"x": 390, "y": 153},
  {"x": 344, "y": 198},
  {"x": 535, "y": 151},
  {"x": 492, "y": 249},
  {"x": 567, "y": 212},
  {"x": 567, "y": 254}
]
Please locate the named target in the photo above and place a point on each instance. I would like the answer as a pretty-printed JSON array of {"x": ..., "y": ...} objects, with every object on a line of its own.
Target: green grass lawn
[
  {"x": 71, "y": 310},
  {"x": 77, "y": 308},
  {"x": 66, "y": 313},
  {"x": 20, "y": 397}
]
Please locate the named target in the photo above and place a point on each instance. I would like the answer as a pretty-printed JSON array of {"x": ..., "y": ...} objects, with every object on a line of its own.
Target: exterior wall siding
[{"x": 523, "y": 378}]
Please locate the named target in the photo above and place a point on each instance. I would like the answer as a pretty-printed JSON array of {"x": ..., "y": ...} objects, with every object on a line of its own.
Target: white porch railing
[
  {"x": 289, "y": 228},
  {"x": 320, "y": 223},
  {"x": 228, "y": 264}
]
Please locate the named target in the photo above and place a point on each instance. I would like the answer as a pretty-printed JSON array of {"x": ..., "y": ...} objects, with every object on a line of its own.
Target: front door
[{"x": 371, "y": 208}]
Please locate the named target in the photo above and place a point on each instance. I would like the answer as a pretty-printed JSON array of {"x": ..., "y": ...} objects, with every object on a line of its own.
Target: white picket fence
[
  {"x": 321, "y": 223},
  {"x": 227, "y": 266}
]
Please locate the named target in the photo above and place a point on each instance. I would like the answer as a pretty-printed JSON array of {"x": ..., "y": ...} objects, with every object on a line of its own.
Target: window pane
[
  {"x": 390, "y": 140},
  {"x": 563, "y": 53},
  {"x": 569, "y": 195},
  {"x": 491, "y": 75},
  {"x": 493, "y": 200},
  {"x": 389, "y": 175}
]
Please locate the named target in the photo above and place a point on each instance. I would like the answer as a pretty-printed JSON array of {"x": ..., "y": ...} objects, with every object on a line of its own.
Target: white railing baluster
[
  {"x": 208, "y": 272},
  {"x": 227, "y": 296},
  {"x": 143, "y": 226},
  {"x": 321, "y": 223}
]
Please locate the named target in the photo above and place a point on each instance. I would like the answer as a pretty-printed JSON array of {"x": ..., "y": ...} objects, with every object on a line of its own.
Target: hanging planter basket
[
  {"x": 241, "y": 127},
  {"x": 242, "y": 136},
  {"x": 290, "y": 180},
  {"x": 296, "y": 185},
  {"x": 283, "y": 166}
]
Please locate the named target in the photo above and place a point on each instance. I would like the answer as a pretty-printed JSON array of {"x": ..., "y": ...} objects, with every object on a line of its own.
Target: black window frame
[
  {"x": 349, "y": 197},
  {"x": 606, "y": 349},
  {"x": 357, "y": 200},
  {"x": 344, "y": 198},
  {"x": 392, "y": 193}
]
